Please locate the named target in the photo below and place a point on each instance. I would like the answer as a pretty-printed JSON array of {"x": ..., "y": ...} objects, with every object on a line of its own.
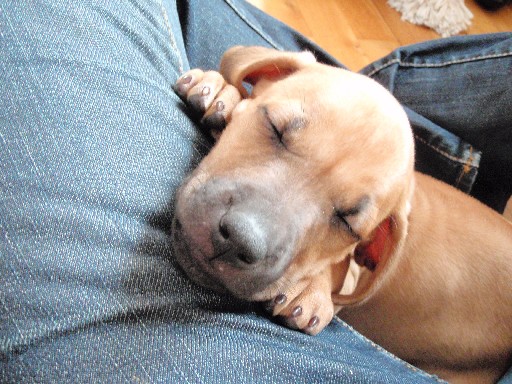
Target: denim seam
[
  {"x": 253, "y": 26},
  {"x": 174, "y": 45},
  {"x": 466, "y": 167},
  {"x": 465, "y": 162},
  {"x": 387, "y": 353},
  {"x": 436, "y": 65}
]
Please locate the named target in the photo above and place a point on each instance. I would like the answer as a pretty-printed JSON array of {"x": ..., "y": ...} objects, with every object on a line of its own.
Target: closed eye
[
  {"x": 340, "y": 220},
  {"x": 278, "y": 134}
]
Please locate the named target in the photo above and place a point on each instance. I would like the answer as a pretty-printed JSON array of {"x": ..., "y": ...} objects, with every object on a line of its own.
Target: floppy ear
[
  {"x": 250, "y": 64},
  {"x": 377, "y": 257}
]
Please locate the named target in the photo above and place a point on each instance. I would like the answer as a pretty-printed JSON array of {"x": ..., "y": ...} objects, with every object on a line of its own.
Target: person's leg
[
  {"x": 458, "y": 94},
  {"x": 93, "y": 144}
]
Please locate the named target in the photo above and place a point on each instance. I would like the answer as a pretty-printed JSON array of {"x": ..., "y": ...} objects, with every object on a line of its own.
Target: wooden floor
[{"x": 358, "y": 32}]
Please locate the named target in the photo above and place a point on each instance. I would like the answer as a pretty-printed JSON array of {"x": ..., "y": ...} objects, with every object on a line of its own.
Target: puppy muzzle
[
  {"x": 243, "y": 236},
  {"x": 230, "y": 235}
]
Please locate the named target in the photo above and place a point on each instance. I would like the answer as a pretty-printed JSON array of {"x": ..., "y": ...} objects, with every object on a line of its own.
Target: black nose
[{"x": 242, "y": 238}]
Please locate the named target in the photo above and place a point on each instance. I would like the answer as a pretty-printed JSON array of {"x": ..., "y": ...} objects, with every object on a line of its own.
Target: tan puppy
[{"x": 309, "y": 201}]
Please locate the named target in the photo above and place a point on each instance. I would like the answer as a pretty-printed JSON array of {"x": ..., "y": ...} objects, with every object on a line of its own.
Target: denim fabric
[
  {"x": 458, "y": 95},
  {"x": 238, "y": 23},
  {"x": 93, "y": 143}
]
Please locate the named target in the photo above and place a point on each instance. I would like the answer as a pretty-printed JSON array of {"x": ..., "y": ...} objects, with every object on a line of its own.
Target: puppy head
[{"x": 315, "y": 166}]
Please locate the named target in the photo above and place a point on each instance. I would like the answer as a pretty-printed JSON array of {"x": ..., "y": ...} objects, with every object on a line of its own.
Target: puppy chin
[{"x": 226, "y": 279}]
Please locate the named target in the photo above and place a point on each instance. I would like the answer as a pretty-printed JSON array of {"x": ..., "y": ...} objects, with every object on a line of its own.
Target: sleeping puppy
[{"x": 309, "y": 201}]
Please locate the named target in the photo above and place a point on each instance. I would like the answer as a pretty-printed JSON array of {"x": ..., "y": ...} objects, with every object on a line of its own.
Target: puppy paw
[
  {"x": 307, "y": 306},
  {"x": 209, "y": 96}
]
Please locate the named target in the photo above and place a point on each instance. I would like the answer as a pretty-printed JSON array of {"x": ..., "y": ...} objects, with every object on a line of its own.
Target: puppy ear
[
  {"x": 250, "y": 64},
  {"x": 376, "y": 257}
]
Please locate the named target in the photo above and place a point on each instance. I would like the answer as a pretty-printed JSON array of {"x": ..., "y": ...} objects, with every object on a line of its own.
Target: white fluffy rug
[{"x": 446, "y": 17}]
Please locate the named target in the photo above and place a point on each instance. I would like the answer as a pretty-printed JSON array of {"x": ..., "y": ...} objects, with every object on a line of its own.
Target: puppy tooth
[
  {"x": 297, "y": 311},
  {"x": 280, "y": 299},
  {"x": 220, "y": 106},
  {"x": 313, "y": 322}
]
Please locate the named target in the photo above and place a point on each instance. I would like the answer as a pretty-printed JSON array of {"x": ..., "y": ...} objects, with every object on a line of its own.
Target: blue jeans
[{"x": 93, "y": 144}]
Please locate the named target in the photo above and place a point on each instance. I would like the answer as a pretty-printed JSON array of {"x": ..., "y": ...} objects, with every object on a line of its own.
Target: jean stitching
[
  {"x": 382, "y": 66},
  {"x": 437, "y": 65},
  {"x": 254, "y": 27},
  {"x": 174, "y": 45},
  {"x": 466, "y": 167},
  {"x": 387, "y": 353},
  {"x": 447, "y": 155}
]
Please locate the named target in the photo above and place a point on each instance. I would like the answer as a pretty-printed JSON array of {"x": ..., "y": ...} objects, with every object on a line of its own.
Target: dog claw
[
  {"x": 185, "y": 80},
  {"x": 313, "y": 322},
  {"x": 209, "y": 97},
  {"x": 280, "y": 299},
  {"x": 297, "y": 311},
  {"x": 206, "y": 91},
  {"x": 220, "y": 106},
  {"x": 183, "y": 84}
]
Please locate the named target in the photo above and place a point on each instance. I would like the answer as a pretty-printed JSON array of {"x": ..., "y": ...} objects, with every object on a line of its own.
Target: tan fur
[{"x": 439, "y": 298}]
